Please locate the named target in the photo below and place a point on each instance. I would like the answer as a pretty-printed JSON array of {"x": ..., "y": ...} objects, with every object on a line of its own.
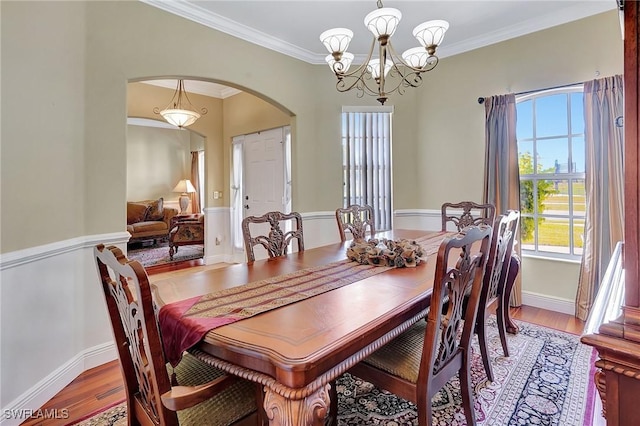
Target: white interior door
[{"x": 264, "y": 172}]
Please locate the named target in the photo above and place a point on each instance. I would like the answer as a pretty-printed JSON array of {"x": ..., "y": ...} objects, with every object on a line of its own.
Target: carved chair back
[
  {"x": 357, "y": 220},
  {"x": 418, "y": 363},
  {"x": 494, "y": 282},
  {"x": 445, "y": 320},
  {"x": 128, "y": 295},
  {"x": 277, "y": 241},
  {"x": 472, "y": 214}
]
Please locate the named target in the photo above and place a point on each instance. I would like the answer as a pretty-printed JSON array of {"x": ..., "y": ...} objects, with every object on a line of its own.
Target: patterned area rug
[
  {"x": 159, "y": 254},
  {"x": 547, "y": 380}
]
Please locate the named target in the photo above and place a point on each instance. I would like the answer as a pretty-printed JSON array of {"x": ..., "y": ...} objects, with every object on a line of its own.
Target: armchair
[{"x": 185, "y": 231}]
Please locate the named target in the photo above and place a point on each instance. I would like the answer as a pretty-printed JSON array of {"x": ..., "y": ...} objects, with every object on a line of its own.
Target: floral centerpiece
[{"x": 384, "y": 252}]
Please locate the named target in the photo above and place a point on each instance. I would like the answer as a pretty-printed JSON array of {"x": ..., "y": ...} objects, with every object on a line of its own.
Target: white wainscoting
[
  {"x": 59, "y": 323},
  {"x": 55, "y": 320}
]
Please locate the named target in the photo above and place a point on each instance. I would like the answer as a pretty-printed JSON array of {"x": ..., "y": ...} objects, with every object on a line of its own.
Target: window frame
[{"x": 569, "y": 176}]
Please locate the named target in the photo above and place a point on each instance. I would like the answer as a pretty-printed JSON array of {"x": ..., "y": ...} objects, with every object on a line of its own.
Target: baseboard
[
  {"x": 18, "y": 410},
  {"x": 550, "y": 303}
]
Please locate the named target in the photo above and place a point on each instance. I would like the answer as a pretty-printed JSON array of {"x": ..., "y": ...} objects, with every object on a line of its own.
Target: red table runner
[{"x": 184, "y": 323}]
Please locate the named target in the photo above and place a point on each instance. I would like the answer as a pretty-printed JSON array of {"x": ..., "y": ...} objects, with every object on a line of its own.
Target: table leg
[{"x": 309, "y": 411}]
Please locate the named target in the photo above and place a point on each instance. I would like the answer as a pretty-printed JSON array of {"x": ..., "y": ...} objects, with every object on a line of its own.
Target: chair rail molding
[{"x": 34, "y": 254}]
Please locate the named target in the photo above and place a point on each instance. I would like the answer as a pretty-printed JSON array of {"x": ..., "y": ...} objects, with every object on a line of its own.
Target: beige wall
[
  {"x": 453, "y": 122},
  {"x": 129, "y": 41},
  {"x": 143, "y": 98},
  {"x": 43, "y": 122},
  {"x": 157, "y": 159},
  {"x": 65, "y": 73}
]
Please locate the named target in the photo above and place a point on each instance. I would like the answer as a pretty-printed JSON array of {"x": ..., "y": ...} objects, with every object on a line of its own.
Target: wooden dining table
[{"x": 298, "y": 349}]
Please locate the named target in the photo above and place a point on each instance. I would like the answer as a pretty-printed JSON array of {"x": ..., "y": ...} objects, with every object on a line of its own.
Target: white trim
[
  {"x": 221, "y": 23},
  {"x": 549, "y": 303},
  {"x": 368, "y": 108},
  {"x": 318, "y": 215},
  {"x": 49, "y": 386},
  {"x": 195, "y": 13},
  {"x": 209, "y": 210},
  {"x": 417, "y": 213},
  {"x": 34, "y": 254}
]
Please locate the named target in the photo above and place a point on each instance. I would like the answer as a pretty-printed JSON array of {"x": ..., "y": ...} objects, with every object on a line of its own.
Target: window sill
[{"x": 539, "y": 256}]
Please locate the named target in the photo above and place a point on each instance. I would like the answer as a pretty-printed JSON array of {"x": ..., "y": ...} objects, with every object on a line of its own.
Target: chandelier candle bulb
[{"x": 399, "y": 72}]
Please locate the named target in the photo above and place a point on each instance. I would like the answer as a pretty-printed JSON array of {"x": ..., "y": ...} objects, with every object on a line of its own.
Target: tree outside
[{"x": 527, "y": 201}]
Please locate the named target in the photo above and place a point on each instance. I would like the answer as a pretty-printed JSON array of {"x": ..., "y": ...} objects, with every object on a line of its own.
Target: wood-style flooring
[{"x": 102, "y": 386}]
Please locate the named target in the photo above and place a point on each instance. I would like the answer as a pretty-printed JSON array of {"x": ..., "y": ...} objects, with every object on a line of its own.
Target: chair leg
[
  {"x": 481, "y": 330},
  {"x": 514, "y": 268},
  {"x": 502, "y": 327},
  {"x": 466, "y": 390},
  {"x": 425, "y": 410}
]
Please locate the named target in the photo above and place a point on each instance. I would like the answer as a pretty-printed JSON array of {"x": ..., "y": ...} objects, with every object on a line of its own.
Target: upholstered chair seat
[
  {"x": 400, "y": 357},
  {"x": 229, "y": 406}
]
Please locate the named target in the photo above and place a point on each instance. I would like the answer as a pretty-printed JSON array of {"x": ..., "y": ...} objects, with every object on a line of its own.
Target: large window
[
  {"x": 366, "y": 161},
  {"x": 551, "y": 157}
]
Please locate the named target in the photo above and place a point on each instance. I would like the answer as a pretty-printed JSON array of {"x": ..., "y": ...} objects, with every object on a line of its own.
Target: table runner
[{"x": 184, "y": 323}]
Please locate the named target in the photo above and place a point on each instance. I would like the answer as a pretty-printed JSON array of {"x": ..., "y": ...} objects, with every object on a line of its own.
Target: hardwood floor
[{"x": 102, "y": 386}]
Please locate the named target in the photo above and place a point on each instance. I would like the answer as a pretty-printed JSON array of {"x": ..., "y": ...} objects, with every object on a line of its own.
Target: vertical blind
[{"x": 366, "y": 144}]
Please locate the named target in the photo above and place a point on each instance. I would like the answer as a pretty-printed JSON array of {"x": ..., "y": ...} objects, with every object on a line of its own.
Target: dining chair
[
  {"x": 420, "y": 361},
  {"x": 277, "y": 241},
  {"x": 471, "y": 214},
  {"x": 356, "y": 220},
  {"x": 494, "y": 283},
  {"x": 192, "y": 393}
]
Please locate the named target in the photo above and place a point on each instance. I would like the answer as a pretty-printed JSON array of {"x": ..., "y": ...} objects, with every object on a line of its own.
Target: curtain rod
[{"x": 481, "y": 99}]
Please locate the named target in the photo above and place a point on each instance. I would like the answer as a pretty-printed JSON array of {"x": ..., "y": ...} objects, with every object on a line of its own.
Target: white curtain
[
  {"x": 236, "y": 195},
  {"x": 287, "y": 168}
]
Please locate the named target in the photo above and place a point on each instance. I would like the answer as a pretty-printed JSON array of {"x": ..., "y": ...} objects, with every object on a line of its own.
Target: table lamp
[{"x": 185, "y": 187}]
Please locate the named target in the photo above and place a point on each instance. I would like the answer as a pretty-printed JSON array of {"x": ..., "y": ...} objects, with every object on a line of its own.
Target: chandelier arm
[
  {"x": 362, "y": 68},
  {"x": 410, "y": 76},
  {"x": 357, "y": 75}
]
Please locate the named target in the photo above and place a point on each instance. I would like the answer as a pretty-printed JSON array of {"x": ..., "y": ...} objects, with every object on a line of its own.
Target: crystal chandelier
[
  {"x": 398, "y": 71},
  {"x": 180, "y": 112}
]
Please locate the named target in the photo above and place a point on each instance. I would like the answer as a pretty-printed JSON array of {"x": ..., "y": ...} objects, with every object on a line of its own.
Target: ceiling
[{"x": 293, "y": 27}]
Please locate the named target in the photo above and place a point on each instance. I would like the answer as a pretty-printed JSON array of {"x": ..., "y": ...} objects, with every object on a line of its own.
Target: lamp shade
[
  {"x": 343, "y": 64},
  {"x": 336, "y": 39},
  {"x": 416, "y": 57},
  {"x": 180, "y": 117},
  {"x": 383, "y": 21},
  {"x": 374, "y": 67},
  {"x": 431, "y": 33},
  {"x": 184, "y": 186}
]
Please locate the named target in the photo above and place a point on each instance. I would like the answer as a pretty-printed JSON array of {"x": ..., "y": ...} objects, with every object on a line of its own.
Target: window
[
  {"x": 551, "y": 158},
  {"x": 366, "y": 161}
]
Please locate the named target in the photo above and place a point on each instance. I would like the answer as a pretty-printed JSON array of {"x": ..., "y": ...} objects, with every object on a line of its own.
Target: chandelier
[
  {"x": 389, "y": 72},
  {"x": 180, "y": 112}
]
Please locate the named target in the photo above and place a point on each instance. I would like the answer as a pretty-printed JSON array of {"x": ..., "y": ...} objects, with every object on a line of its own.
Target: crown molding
[
  {"x": 579, "y": 10},
  {"x": 191, "y": 11}
]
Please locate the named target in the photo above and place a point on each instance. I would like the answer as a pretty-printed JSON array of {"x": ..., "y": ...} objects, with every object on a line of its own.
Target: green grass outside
[{"x": 555, "y": 232}]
